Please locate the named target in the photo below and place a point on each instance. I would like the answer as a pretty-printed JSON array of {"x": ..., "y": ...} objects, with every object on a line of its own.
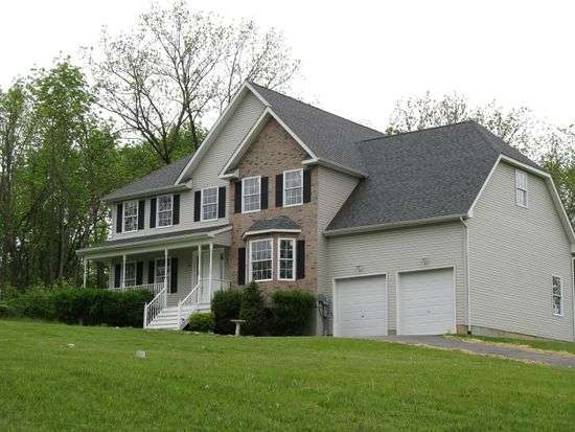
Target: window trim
[
  {"x": 525, "y": 189},
  {"x": 285, "y": 188},
  {"x": 165, "y": 211},
  {"x": 294, "y": 258},
  {"x": 250, "y": 269},
  {"x": 561, "y": 296},
  {"x": 168, "y": 270},
  {"x": 135, "y": 202},
  {"x": 135, "y": 273},
  {"x": 259, "y": 193},
  {"x": 202, "y": 204}
]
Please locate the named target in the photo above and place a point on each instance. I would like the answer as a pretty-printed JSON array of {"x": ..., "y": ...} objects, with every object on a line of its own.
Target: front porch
[{"x": 183, "y": 276}]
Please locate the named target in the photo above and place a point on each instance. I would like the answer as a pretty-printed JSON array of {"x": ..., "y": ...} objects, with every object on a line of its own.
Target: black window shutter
[
  {"x": 119, "y": 217},
  {"x": 306, "y": 185},
  {"x": 238, "y": 196},
  {"x": 197, "y": 205},
  {"x": 242, "y": 266},
  {"x": 153, "y": 213},
  {"x": 151, "y": 272},
  {"x": 139, "y": 273},
  {"x": 264, "y": 192},
  {"x": 222, "y": 202},
  {"x": 279, "y": 190},
  {"x": 141, "y": 213},
  {"x": 176, "y": 210},
  {"x": 117, "y": 275},
  {"x": 174, "y": 276},
  {"x": 300, "y": 257}
]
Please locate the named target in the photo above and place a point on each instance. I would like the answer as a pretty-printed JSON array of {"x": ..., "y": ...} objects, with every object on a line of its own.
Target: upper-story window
[
  {"x": 131, "y": 216},
  {"x": 251, "y": 194},
  {"x": 293, "y": 188},
  {"x": 209, "y": 204},
  {"x": 521, "y": 194},
  {"x": 165, "y": 210}
]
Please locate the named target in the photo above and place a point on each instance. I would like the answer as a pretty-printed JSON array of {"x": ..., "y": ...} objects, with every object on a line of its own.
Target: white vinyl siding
[
  {"x": 261, "y": 260},
  {"x": 165, "y": 206},
  {"x": 131, "y": 216},
  {"x": 286, "y": 259},
  {"x": 251, "y": 194},
  {"x": 513, "y": 255},
  {"x": 209, "y": 204},
  {"x": 292, "y": 188},
  {"x": 557, "y": 292},
  {"x": 521, "y": 194}
]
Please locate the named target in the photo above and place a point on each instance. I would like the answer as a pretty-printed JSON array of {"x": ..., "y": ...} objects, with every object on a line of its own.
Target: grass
[
  {"x": 189, "y": 382},
  {"x": 542, "y": 344}
]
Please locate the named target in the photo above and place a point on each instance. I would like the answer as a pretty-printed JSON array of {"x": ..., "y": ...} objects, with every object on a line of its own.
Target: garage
[
  {"x": 426, "y": 302},
  {"x": 361, "y": 307}
]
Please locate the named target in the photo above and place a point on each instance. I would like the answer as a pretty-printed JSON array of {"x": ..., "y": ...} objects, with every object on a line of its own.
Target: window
[
  {"x": 521, "y": 188},
  {"x": 251, "y": 194},
  {"x": 209, "y": 204},
  {"x": 131, "y": 216},
  {"x": 160, "y": 275},
  {"x": 286, "y": 259},
  {"x": 261, "y": 260},
  {"x": 130, "y": 274},
  {"x": 165, "y": 210},
  {"x": 557, "y": 296},
  {"x": 293, "y": 188}
]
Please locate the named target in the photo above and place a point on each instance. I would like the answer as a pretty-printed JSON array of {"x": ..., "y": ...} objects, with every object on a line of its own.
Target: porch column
[
  {"x": 85, "y": 272},
  {"x": 211, "y": 266},
  {"x": 166, "y": 269},
  {"x": 123, "y": 285},
  {"x": 199, "y": 263}
]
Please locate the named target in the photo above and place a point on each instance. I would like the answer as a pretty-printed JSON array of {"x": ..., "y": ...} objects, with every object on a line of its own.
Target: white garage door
[
  {"x": 426, "y": 304},
  {"x": 361, "y": 307}
]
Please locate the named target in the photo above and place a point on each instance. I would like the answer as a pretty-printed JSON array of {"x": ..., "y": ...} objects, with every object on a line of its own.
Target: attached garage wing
[
  {"x": 361, "y": 307},
  {"x": 426, "y": 302}
]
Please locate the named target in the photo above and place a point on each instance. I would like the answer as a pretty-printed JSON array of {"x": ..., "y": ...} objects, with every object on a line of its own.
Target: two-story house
[{"x": 438, "y": 231}]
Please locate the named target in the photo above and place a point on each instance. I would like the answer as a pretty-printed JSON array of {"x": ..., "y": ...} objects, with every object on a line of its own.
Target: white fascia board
[
  {"x": 493, "y": 168},
  {"x": 334, "y": 166},
  {"x": 216, "y": 128},
  {"x": 271, "y": 231}
]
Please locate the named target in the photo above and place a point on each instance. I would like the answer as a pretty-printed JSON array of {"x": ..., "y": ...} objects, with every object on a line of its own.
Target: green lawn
[
  {"x": 543, "y": 344},
  {"x": 189, "y": 382}
]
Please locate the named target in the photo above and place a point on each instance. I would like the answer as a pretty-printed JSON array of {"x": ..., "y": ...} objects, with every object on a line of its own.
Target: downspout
[{"x": 467, "y": 277}]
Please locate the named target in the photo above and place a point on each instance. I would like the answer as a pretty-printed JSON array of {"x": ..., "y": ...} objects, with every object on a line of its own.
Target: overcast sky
[{"x": 358, "y": 56}]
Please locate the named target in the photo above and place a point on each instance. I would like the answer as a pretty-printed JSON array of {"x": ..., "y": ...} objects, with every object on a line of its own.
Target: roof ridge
[{"x": 316, "y": 108}]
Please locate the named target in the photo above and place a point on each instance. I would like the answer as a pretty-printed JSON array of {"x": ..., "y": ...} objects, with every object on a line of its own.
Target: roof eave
[
  {"x": 334, "y": 166},
  {"x": 148, "y": 192}
]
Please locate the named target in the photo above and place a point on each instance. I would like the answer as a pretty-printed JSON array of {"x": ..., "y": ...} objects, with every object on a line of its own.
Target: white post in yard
[
  {"x": 123, "y": 272},
  {"x": 85, "y": 272},
  {"x": 210, "y": 276}
]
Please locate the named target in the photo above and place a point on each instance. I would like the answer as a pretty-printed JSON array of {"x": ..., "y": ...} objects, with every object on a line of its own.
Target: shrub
[
  {"x": 6, "y": 310},
  {"x": 226, "y": 307},
  {"x": 253, "y": 311},
  {"x": 292, "y": 312},
  {"x": 201, "y": 322}
]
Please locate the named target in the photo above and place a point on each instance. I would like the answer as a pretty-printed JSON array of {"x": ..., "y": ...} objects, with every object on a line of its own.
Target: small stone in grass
[
  {"x": 71, "y": 345},
  {"x": 141, "y": 354}
]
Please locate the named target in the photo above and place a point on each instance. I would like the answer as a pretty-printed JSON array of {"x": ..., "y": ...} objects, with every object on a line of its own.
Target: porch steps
[{"x": 167, "y": 319}]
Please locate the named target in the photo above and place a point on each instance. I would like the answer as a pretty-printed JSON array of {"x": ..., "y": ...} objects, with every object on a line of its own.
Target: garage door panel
[
  {"x": 426, "y": 302},
  {"x": 361, "y": 307}
]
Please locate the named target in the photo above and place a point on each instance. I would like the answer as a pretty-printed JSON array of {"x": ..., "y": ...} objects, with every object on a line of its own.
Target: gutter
[
  {"x": 467, "y": 272},
  {"x": 388, "y": 226}
]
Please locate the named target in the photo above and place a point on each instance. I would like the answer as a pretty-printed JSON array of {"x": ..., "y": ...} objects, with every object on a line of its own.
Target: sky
[{"x": 357, "y": 57}]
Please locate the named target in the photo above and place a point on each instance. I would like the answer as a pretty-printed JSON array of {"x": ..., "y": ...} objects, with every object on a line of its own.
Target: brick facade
[{"x": 273, "y": 152}]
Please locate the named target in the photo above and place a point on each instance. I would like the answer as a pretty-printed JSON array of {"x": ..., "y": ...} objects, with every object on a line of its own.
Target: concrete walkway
[{"x": 528, "y": 355}]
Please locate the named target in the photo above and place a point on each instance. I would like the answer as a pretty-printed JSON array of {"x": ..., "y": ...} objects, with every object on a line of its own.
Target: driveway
[{"x": 528, "y": 355}]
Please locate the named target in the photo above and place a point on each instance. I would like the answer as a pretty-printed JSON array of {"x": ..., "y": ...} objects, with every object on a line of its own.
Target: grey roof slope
[
  {"x": 163, "y": 177},
  {"x": 329, "y": 136},
  {"x": 425, "y": 174},
  {"x": 164, "y": 235},
  {"x": 279, "y": 223}
]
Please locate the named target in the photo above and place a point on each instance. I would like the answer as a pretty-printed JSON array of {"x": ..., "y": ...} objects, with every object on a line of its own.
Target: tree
[{"x": 177, "y": 66}]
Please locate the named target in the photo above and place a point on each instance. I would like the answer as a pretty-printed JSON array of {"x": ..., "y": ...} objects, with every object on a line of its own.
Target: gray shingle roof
[
  {"x": 279, "y": 223},
  {"x": 327, "y": 135},
  {"x": 163, "y": 177},
  {"x": 164, "y": 235},
  {"x": 426, "y": 174}
]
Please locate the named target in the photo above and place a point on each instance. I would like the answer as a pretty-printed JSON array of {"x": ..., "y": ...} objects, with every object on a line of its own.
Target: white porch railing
[
  {"x": 156, "y": 305},
  {"x": 155, "y": 288},
  {"x": 200, "y": 295}
]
